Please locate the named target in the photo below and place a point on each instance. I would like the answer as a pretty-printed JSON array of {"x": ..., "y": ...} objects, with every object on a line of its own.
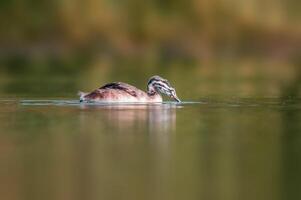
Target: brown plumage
[{"x": 123, "y": 92}]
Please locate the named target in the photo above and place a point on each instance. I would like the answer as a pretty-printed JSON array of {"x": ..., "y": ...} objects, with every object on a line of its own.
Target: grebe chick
[{"x": 123, "y": 92}]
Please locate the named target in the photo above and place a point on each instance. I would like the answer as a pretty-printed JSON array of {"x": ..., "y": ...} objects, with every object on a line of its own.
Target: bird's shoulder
[{"x": 130, "y": 89}]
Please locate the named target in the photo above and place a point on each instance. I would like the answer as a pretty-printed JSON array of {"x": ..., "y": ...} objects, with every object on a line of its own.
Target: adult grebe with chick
[{"x": 123, "y": 92}]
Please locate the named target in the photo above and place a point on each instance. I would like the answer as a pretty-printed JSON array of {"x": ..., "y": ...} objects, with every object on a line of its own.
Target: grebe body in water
[{"x": 123, "y": 92}]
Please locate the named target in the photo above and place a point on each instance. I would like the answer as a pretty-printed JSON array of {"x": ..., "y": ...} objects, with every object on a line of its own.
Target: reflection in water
[
  {"x": 156, "y": 117},
  {"x": 124, "y": 148},
  {"x": 199, "y": 151},
  {"x": 128, "y": 123}
]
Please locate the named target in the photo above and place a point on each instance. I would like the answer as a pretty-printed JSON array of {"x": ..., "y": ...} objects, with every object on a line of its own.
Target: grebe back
[{"x": 123, "y": 92}]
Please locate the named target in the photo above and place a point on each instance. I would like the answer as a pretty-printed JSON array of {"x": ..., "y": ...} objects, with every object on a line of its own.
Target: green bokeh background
[{"x": 218, "y": 47}]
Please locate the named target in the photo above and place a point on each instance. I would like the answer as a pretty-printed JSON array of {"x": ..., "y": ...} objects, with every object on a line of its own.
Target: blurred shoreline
[{"x": 248, "y": 45}]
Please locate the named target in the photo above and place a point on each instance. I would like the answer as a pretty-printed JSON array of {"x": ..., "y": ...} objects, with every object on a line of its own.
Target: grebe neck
[
  {"x": 152, "y": 93},
  {"x": 154, "y": 96}
]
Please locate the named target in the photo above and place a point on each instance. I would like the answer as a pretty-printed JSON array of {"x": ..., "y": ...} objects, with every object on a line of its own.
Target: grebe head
[{"x": 159, "y": 84}]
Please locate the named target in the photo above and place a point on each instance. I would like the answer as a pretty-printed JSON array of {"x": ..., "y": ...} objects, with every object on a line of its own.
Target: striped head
[{"x": 159, "y": 84}]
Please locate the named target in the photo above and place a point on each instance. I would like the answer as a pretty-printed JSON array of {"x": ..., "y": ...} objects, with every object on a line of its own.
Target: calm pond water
[
  {"x": 235, "y": 148},
  {"x": 235, "y": 136}
]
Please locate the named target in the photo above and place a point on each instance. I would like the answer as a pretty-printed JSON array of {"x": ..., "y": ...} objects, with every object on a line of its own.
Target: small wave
[{"x": 77, "y": 103}]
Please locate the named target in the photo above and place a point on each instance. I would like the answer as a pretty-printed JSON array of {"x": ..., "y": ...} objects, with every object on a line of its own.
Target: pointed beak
[{"x": 176, "y": 98}]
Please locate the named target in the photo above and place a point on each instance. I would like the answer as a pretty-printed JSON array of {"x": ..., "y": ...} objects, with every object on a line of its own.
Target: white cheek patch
[{"x": 167, "y": 92}]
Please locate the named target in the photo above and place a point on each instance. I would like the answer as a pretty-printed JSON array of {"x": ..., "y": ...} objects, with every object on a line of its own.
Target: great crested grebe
[{"x": 123, "y": 92}]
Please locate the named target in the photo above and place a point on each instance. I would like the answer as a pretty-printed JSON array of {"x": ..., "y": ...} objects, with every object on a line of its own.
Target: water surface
[{"x": 231, "y": 148}]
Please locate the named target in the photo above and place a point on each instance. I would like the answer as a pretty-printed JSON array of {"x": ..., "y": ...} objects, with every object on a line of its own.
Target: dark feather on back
[{"x": 121, "y": 86}]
